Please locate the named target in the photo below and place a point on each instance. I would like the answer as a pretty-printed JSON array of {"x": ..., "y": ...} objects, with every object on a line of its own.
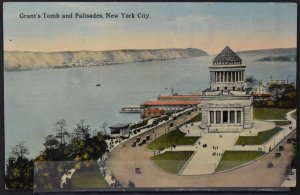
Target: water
[{"x": 35, "y": 100}]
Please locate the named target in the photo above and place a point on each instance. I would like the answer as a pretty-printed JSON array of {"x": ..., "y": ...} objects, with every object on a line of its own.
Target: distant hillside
[
  {"x": 24, "y": 60},
  {"x": 269, "y": 55},
  {"x": 281, "y": 58},
  {"x": 276, "y": 51}
]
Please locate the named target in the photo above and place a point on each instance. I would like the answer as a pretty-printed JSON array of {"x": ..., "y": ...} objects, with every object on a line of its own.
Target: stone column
[
  {"x": 235, "y": 117},
  {"x": 228, "y": 117},
  {"x": 221, "y": 116},
  {"x": 215, "y": 117},
  {"x": 215, "y": 76},
  {"x": 242, "y": 117},
  {"x": 226, "y": 73},
  {"x": 208, "y": 117}
]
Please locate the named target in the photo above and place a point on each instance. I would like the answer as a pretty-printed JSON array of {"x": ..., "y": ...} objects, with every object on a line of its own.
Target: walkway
[
  {"x": 124, "y": 159},
  {"x": 204, "y": 162}
]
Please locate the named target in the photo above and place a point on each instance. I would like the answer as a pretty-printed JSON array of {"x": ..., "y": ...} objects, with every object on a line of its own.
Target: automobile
[
  {"x": 138, "y": 171},
  {"x": 277, "y": 154},
  {"x": 289, "y": 141},
  {"x": 133, "y": 144},
  {"x": 270, "y": 165},
  {"x": 281, "y": 148}
]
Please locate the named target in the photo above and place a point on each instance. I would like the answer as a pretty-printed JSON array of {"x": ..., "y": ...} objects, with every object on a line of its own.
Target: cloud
[
  {"x": 193, "y": 19},
  {"x": 70, "y": 5},
  {"x": 193, "y": 23},
  {"x": 107, "y": 24}
]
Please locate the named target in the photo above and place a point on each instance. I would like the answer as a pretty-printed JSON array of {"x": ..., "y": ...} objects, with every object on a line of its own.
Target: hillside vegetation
[{"x": 24, "y": 60}]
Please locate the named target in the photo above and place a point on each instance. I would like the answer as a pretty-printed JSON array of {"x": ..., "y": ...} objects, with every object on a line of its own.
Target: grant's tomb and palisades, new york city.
[{"x": 215, "y": 120}]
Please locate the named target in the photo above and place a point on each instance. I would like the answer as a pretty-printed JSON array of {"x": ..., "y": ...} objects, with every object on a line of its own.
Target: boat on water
[
  {"x": 131, "y": 109},
  {"x": 98, "y": 85}
]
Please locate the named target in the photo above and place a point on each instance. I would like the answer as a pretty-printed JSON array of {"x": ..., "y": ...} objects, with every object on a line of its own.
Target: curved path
[{"x": 124, "y": 159}]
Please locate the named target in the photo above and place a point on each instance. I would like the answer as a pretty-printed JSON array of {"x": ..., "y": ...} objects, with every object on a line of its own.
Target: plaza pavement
[
  {"x": 123, "y": 160},
  {"x": 204, "y": 162}
]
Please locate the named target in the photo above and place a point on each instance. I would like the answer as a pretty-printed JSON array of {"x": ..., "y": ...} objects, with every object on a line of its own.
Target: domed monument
[{"x": 226, "y": 106}]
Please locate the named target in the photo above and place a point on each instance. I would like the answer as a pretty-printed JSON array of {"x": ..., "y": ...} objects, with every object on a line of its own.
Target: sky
[{"x": 207, "y": 26}]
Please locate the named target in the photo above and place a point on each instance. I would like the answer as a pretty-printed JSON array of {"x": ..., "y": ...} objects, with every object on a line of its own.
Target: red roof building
[
  {"x": 150, "y": 113},
  {"x": 168, "y": 106},
  {"x": 171, "y": 103},
  {"x": 178, "y": 97}
]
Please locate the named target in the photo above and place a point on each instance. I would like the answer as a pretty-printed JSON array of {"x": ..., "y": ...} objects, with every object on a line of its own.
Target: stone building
[{"x": 226, "y": 106}]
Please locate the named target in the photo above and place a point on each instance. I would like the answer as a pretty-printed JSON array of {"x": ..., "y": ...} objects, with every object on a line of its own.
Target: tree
[
  {"x": 82, "y": 130},
  {"x": 276, "y": 90},
  {"x": 52, "y": 148},
  {"x": 251, "y": 81},
  {"x": 103, "y": 127},
  {"x": 62, "y": 133},
  {"x": 97, "y": 146},
  {"x": 19, "y": 169},
  {"x": 20, "y": 150}
]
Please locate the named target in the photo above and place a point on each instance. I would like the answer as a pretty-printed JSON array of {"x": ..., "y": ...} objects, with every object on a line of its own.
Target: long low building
[
  {"x": 167, "y": 106},
  {"x": 178, "y": 97}
]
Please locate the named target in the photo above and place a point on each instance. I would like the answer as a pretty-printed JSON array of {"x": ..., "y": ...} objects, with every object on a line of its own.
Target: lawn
[
  {"x": 196, "y": 118},
  {"x": 88, "y": 179},
  {"x": 232, "y": 159},
  {"x": 172, "y": 161},
  {"x": 270, "y": 113},
  {"x": 261, "y": 138},
  {"x": 282, "y": 123},
  {"x": 294, "y": 115},
  {"x": 173, "y": 137}
]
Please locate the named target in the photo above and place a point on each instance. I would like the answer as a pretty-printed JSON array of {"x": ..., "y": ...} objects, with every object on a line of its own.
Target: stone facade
[{"x": 226, "y": 106}]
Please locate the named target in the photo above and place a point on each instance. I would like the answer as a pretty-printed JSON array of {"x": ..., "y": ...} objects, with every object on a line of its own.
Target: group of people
[{"x": 217, "y": 154}]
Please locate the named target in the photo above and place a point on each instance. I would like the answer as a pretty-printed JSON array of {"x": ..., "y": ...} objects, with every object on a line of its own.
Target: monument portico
[{"x": 226, "y": 106}]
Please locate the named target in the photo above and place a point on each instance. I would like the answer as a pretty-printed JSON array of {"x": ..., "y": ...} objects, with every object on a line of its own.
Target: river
[{"x": 34, "y": 100}]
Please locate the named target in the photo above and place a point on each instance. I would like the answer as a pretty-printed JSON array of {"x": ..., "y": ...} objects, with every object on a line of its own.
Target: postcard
[{"x": 111, "y": 95}]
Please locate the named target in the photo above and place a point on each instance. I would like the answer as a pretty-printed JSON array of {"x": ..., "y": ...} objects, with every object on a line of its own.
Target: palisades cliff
[{"x": 26, "y": 60}]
